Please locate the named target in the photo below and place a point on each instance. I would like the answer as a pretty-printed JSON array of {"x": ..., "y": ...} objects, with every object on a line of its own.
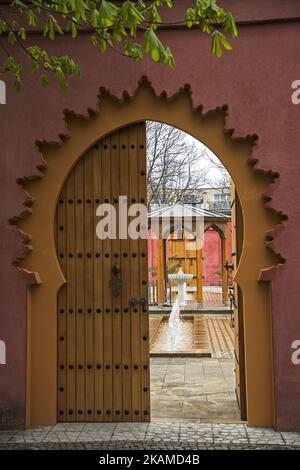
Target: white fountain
[
  {"x": 181, "y": 279},
  {"x": 175, "y": 330}
]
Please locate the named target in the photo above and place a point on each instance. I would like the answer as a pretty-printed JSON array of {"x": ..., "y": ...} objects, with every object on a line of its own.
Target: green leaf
[
  {"x": 170, "y": 58},
  {"x": 95, "y": 18},
  {"x": 216, "y": 48},
  {"x": 230, "y": 25},
  {"x": 150, "y": 40},
  {"x": 118, "y": 32},
  {"x": 3, "y": 26},
  {"x": 112, "y": 24},
  {"x": 44, "y": 80},
  {"x": 73, "y": 30},
  {"x": 31, "y": 18},
  {"x": 51, "y": 33},
  {"x": 107, "y": 13},
  {"x": 219, "y": 41},
  {"x": 130, "y": 15},
  {"x": 11, "y": 37},
  {"x": 190, "y": 17},
  {"x": 35, "y": 65},
  {"x": 224, "y": 42},
  {"x": 22, "y": 33},
  {"x": 94, "y": 39},
  {"x": 155, "y": 55},
  {"x": 134, "y": 50},
  {"x": 103, "y": 45},
  {"x": 18, "y": 85},
  {"x": 153, "y": 16}
]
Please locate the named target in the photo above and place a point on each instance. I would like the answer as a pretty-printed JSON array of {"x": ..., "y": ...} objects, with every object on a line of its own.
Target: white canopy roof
[{"x": 180, "y": 210}]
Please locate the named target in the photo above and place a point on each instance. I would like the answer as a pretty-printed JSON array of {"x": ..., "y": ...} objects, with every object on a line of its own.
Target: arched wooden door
[
  {"x": 238, "y": 314},
  {"x": 103, "y": 347}
]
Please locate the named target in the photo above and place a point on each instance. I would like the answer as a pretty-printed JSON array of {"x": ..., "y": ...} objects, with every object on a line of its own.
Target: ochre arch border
[{"x": 235, "y": 154}]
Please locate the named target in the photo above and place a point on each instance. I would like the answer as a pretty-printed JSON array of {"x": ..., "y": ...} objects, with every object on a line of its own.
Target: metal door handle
[
  {"x": 133, "y": 301},
  {"x": 116, "y": 282}
]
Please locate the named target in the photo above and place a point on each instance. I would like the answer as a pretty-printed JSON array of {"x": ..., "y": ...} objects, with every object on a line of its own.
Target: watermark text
[{"x": 2, "y": 92}]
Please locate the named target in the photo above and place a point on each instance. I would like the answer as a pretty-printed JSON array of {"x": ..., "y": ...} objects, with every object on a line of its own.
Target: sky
[{"x": 214, "y": 173}]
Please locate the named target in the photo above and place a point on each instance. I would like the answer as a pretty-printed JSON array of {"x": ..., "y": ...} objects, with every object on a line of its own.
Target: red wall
[
  {"x": 254, "y": 81},
  {"x": 212, "y": 258},
  {"x": 211, "y": 254}
]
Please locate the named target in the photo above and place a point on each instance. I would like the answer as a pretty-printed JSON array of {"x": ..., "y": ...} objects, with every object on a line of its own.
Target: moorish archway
[{"x": 236, "y": 156}]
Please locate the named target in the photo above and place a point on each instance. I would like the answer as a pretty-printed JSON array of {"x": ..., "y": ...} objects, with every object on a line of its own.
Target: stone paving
[
  {"x": 190, "y": 397},
  {"x": 221, "y": 335},
  {"x": 193, "y": 390},
  {"x": 171, "y": 435}
]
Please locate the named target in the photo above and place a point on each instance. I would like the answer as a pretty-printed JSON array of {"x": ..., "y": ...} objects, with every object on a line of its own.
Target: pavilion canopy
[{"x": 180, "y": 210}]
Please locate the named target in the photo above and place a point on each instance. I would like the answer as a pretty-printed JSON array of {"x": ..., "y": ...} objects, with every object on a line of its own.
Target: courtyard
[
  {"x": 193, "y": 407},
  {"x": 197, "y": 384},
  {"x": 193, "y": 390}
]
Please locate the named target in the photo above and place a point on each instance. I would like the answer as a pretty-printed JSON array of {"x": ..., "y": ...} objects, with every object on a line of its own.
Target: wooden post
[
  {"x": 160, "y": 271},
  {"x": 199, "y": 252},
  {"x": 224, "y": 270}
]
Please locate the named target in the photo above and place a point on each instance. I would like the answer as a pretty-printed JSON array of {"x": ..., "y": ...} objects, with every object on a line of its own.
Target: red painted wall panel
[{"x": 212, "y": 258}]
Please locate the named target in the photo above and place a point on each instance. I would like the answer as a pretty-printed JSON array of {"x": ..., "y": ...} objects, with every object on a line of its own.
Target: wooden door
[
  {"x": 103, "y": 347},
  {"x": 182, "y": 252},
  {"x": 239, "y": 353}
]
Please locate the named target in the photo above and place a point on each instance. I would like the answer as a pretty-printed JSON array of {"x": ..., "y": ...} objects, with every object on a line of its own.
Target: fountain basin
[
  {"x": 194, "y": 341},
  {"x": 180, "y": 277}
]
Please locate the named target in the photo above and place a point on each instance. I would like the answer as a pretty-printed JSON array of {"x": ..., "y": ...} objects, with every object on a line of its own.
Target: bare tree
[
  {"x": 173, "y": 165},
  {"x": 221, "y": 179}
]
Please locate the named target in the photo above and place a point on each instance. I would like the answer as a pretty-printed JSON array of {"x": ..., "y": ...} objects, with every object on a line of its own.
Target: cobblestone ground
[{"x": 157, "y": 436}]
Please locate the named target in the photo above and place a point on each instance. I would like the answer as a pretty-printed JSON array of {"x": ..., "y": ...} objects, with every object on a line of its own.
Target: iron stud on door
[{"x": 102, "y": 339}]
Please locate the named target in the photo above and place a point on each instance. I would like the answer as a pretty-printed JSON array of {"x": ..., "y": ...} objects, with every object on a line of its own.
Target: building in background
[{"x": 216, "y": 200}]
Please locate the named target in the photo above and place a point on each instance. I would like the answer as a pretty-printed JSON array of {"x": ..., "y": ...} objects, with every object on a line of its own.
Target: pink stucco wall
[
  {"x": 254, "y": 81},
  {"x": 212, "y": 258},
  {"x": 211, "y": 254}
]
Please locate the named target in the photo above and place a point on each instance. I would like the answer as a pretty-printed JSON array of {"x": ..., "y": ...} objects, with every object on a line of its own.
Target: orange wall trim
[{"x": 235, "y": 154}]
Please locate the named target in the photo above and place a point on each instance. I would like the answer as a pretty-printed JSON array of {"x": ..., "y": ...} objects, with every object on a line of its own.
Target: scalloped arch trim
[{"x": 39, "y": 255}]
